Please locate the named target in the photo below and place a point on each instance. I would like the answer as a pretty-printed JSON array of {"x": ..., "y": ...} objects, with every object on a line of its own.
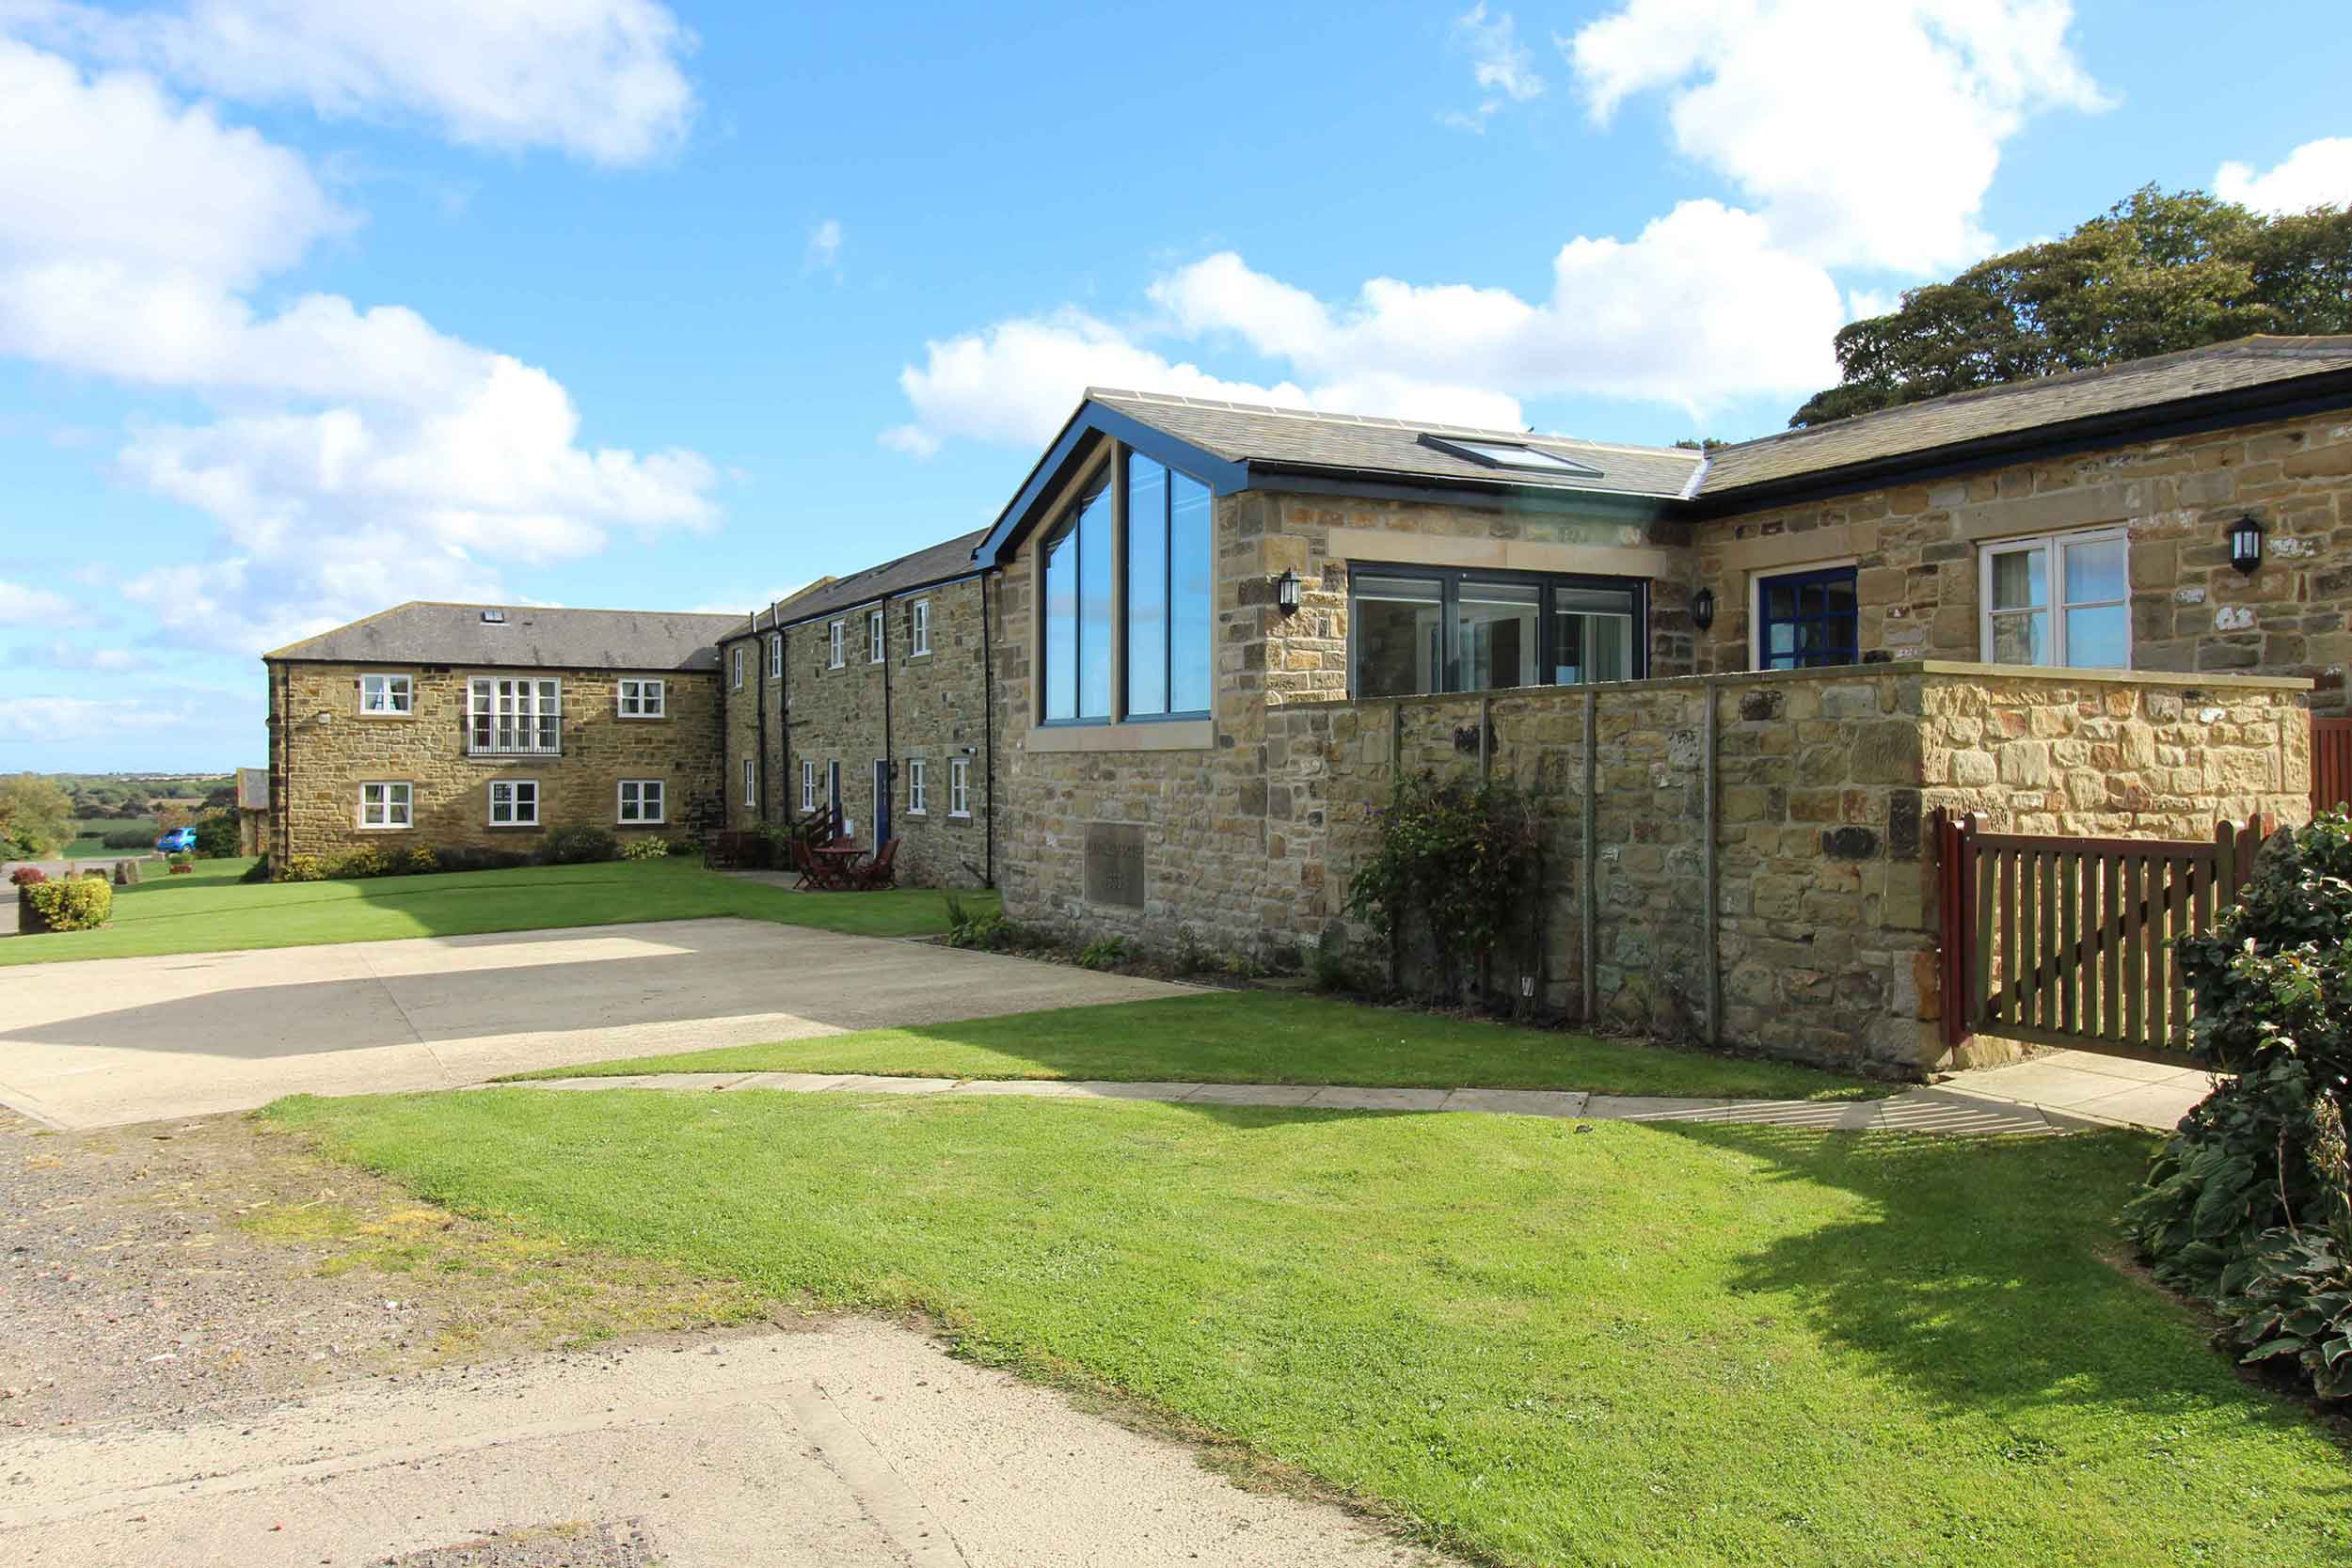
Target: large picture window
[
  {"x": 1417, "y": 631},
  {"x": 1808, "y": 620},
  {"x": 2062, "y": 599},
  {"x": 1078, "y": 610},
  {"x": 1170, "y": 572}
]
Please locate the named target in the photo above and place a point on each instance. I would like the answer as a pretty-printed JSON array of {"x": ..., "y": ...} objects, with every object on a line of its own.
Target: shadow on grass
[{"x": 1997, "y": 1295}]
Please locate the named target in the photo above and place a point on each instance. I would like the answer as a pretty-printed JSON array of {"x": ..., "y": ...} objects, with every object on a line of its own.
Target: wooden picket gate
[
  {"x": 2069, "y": 941},
  {"x": 2331, "y": 764}
]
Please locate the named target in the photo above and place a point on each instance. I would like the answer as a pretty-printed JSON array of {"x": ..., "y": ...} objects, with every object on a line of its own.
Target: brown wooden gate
[
  {"x": 2331, "y": 764},
  {"x": 2069, "y": 941}
]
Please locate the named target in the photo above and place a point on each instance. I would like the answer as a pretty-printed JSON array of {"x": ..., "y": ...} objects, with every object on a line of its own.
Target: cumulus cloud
[
  {"x": 601, "y": 80},
  {"x": 46, "y": 720},
  {"x": 2316, "y": 174},
  {"x": 1503, "y": 68},
  {"x": 19, "y": 603},
  {"x": 824, "y": 247},
  {"x": 73, "y": 656},
  {"x": 1865, "y": 132},
  {"x": 354, "y": 441},
  {"x": 1699, "y": 308}
]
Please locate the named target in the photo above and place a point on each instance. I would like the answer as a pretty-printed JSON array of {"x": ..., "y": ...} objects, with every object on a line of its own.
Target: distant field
[{"x": 90, "y": 835}]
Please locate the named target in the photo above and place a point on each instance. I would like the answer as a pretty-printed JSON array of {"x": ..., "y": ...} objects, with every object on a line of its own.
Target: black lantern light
[
  {"x": 2246, "y": 544},
  {"x": 1286, "y": 593},
  {"x": 1703, "y": 608}
]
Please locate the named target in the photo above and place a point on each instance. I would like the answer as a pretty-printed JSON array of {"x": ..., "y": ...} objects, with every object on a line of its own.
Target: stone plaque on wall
[{"x": 1115, "y": 863}]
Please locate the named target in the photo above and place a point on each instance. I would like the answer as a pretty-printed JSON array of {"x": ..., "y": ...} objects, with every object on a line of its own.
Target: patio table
[{"x": 838, "y": 863}]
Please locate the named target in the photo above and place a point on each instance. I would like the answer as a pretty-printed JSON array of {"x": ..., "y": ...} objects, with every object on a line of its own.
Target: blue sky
[{"x": 604, "y": 302}]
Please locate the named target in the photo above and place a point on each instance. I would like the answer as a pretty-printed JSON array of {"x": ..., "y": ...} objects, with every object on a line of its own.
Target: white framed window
[
  {"x": 514, "y": 803},
  {"x": 641, "y": 802},
  {"x": 751, "y": 782},
  {"x": 838, "y": 657},
  {"x": 918, "y": 787},
  {"x": 808, "y": 785},
  {"x": 644, "y": 699},
  {"x": 515, "y": 715},
  {"x": 919, "y": 628},
  {"x": 2058, "y": 599},
  {"x": 385, "y": 805},
  {"x": 874, "y": 623},
  {"x": 960, "y": 788},
  {"x": 735, "y": 667},
  {"x": 775, "y": 657},
  {"x": 388, "y": 696}
]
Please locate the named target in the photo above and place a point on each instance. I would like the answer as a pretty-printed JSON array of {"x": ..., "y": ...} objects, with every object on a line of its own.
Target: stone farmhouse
[{"x": 1161, "y": 694}]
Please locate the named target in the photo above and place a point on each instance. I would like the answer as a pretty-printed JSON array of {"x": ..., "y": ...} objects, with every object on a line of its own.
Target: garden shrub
[
  {"x": 1455, "y": 870},
  {"x": 2248, "y": 1205},
  {"x": 366, "y": 861},
  {"x": 27, "y": 876},
  {"x": 131, "y": 838},
  {"x": 257, "y": 872},
  {"x": 305, "y": 868},
  {"x": 646, "y": 849},
  {"x": 577, "y": 845},
  {"x": 216, "y": 835},
  {"x": 1103, "y": 953},
  {"x": 463, "y": 857},
  {"x": 70, "y": 903},
  {"x": 419, "y": 861}
]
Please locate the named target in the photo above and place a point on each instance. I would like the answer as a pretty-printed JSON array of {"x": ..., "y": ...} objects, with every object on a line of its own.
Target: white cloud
[
  {"x": 1699, "y": 308},
  {"x": 46, "y": 721},
  {"x": 824, "y": 247},
  {"x": 1503, "y": 68},
  {"x": 598, "y": 79},
  {"x": 2316, "y": 174},
  {"x": 364, "y": 455},
  {"x": 19, "y": 603},
  {"x": 1866, "y": 132},
  {"x": 72, "y": 655}
]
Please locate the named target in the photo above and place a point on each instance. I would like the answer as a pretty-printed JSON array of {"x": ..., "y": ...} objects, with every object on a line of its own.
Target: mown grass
[
  {"x": 1533, "y": 1341},
  {"x": 1261, "y": 1038},
  {"x": 210, "y": 911}
]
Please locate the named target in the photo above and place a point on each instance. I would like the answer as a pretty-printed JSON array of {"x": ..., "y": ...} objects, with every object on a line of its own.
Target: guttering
[{"x": 2327, "y": 393}]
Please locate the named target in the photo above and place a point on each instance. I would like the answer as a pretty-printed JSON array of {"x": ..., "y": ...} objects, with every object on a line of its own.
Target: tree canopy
[
  {"x": 35, "y": 817},
  {"x": 2153, "y": 273}
]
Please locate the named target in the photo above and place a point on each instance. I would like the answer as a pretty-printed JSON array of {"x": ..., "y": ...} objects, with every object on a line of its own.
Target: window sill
[
  {"x": 1162, "y": 735},
  {"x": 510, "y": 827},
  {"x": 643, "y": 717},
  {"x": 387, "y": 827},
  {"x": 625, "y": 826},
  {"x": 959, "y": 817},
  {"x": 365, "y": 714}
]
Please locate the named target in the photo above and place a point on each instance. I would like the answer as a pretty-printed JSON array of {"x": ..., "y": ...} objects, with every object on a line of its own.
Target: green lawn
[
  {"x": 210, "y": 911},
  {"x": 1261, "y": 1038},
  {"x": 1673, "y": 1346}
]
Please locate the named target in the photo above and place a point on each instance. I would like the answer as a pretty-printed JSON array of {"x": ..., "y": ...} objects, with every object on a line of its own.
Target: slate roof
[
  {"x": 2021, "y": 407},
  {"x": 1307, "y": 441},
  {"x": 950, "y": 557},
  {"x": 531, "y": 636}
]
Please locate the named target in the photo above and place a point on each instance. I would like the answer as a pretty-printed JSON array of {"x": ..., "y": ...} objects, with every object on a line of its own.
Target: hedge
[{"x": 68, "y": 904}]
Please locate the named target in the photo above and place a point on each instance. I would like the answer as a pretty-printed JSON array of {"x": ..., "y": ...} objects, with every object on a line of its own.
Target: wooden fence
[
  {"x": 2069, "y": 941},
  {"x": 2331, "y": 764}
]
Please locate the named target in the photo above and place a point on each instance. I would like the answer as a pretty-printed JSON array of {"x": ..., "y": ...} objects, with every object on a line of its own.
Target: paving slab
[
  {"x": 114, "y": 1041},
  {"x": 1341, "y": 1099},
  {"x": 1649, "y": 1107},
  {"x": 1940, "y": 1111},
  {"x": 1253, "y": 1094},
  {"x": 1520, "y": 1103}
]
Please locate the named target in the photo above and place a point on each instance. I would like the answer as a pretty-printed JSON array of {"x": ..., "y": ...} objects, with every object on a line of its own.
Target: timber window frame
[
  {"x": 641, "y": 698},
  {"x": 960, "y": 788},
  {"x": 513, "y": 716},
  {"x": 513, "y": 803},
  {"x": 641, "y": 803},
  {"x": 918, "y": 787},
  {"x": 775, "y": 656},
  {"x": 808, "y": 785},
  {"x": 1814, "y": 587},
  {"x": 388, "y": 696},
  {"x": 840, "y": 650},
  {"x": 2056, "y": 594},
  {"x": 734, "y": 668},
  {"x": 919, "y": 629},
  {"x": 394, "y": 805},
  {"x": 877, "y": 636}
]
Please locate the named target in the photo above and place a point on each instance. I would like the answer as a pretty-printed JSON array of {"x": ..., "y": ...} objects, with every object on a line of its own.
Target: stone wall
[
  {"x": 1915, "y": 547},
  {"x": 320, "y": 765},
  {"x": 935, "y": 706}
]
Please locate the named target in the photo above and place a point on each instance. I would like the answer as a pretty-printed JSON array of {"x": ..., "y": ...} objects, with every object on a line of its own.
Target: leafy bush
[
  {"x": 366, "y": 861},
  {"x": 257, "y": 872},
  {"x": 577, "y": 844},
  {"x": 419, "y": 861},
  {"x": 646, "y": 849},
  {"x": 130, "y": 838},
  {"x": 2250, "y": 1204},
  {"x": 469, "y": 858},
  {"x": 1455, "y": 867},
  {"x": 1103, "y": 953},
  {"x": 682, "y": 847},
  {"x": 70, "y": 903},
  {"x": 216, "y": 835},
  {"x": 27, "y": 876},
  {"x": 1328, "y": 967},
  {"x": 183, "y": 863},
  {"x": 305, "y": 868}
]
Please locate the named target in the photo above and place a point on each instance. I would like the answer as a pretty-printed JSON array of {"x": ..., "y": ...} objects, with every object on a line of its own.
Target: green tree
[
  {"x": 2153, "y": 273},
  {"x": 35, "y": 817}
]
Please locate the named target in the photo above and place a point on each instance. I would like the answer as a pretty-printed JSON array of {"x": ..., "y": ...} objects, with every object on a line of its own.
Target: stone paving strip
[{"x": 1923, "y": 1110}]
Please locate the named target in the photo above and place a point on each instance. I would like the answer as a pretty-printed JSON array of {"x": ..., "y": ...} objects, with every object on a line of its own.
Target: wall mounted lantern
[
  {"x": 2246, "y": 544},
  {"x": 1286, "y": 593},
  {"x": 1703, "y": 608}
]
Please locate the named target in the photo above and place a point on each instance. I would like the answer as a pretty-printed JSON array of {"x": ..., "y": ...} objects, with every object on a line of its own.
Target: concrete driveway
[{"x": 120, "y": 1040}]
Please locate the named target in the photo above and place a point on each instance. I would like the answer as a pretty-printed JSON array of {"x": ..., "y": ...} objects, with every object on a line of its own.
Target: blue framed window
[
  {"x": 1808, "y": 620},
  {"x": 1171, "y": 563},
  {"x": 1078, "y": 611}
]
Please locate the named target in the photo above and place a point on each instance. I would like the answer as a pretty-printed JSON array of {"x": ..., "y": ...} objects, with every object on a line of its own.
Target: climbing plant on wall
[{"x": 1454, "y": 868}]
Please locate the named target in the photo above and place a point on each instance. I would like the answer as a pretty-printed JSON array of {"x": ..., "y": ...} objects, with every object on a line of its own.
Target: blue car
[{"x": 178, "y": 841}]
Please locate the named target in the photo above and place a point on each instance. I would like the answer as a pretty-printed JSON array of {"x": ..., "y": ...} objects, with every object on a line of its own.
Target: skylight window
[{"x": 1512, "y": 454}]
